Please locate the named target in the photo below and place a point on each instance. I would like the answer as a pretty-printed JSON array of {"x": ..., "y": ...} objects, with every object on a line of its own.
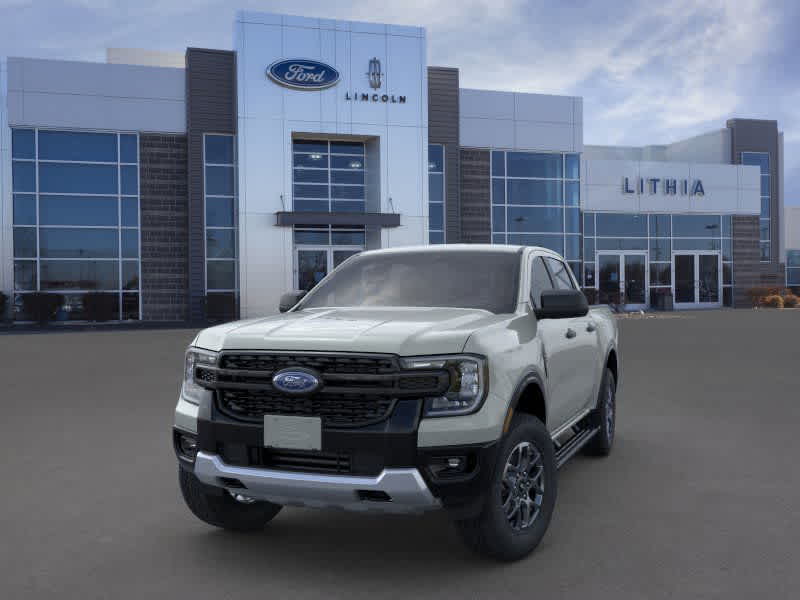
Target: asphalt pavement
[{"x": 699, "y": 499}]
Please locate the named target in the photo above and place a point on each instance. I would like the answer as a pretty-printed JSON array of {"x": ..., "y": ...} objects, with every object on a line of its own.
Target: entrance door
[
  {"x": 697, "y": 279},
  {"x": 622, "y": 279},
  {"x": 312, "y": 264}
]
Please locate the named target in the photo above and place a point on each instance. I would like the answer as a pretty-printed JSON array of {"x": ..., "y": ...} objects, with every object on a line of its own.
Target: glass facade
[
  {"x": 320, "y": 249},
  {"x": 536, "y": 201},
  {"x": 658, "y": 236},
  {"x": 761, "y": 160},
  {"x": 219, "y": 158},
  {"x": 793, "y": 268},
  {"x": 436, "y": 194},
  {"x": 328, "y": 176},
  {"x": 76, "y": 220}
]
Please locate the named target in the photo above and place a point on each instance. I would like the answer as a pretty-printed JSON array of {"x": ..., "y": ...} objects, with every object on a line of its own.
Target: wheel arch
[{"x": 529, "y": 398}]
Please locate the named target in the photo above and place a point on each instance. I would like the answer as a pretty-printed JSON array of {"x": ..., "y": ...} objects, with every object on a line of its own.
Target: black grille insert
[{"x": 356, "y": 390}]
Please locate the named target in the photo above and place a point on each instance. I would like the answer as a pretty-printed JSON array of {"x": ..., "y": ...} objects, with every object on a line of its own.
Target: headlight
[
  {"x": 191, "y": 390},
  {"x": 469, "y": 381}
]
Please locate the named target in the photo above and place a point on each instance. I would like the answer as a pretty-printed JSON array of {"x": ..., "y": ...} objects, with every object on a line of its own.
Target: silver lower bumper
[{"x": 406, "y": 489}]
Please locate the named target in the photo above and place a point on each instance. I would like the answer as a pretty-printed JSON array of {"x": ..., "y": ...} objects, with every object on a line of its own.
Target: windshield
[{"x": 480, "y": 279}]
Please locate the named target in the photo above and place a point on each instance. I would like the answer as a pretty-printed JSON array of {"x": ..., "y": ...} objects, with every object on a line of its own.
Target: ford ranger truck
[{"x": 455, "y": 377}]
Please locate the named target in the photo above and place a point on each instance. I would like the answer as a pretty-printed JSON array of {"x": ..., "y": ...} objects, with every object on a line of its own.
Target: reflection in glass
[{"x": 80, "y": 275}]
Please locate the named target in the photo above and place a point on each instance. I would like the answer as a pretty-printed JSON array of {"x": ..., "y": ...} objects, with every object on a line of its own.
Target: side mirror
[
  {"x": 562, "y": 304},
  {"x": 289, "y": 299}
]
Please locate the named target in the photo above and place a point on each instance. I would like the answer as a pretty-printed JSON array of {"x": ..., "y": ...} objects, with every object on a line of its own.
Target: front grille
[
  {"x": 335, "y": 411},
  {"x": 356, "y": 390}
]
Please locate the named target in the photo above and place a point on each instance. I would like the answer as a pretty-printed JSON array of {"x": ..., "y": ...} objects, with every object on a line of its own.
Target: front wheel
[
  {"x": 520, "y": 501},
  {"x": 221, "y": 509}
]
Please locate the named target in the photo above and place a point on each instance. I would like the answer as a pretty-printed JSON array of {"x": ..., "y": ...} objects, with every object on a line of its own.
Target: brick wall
[
  {"x": 165, "y": 231},
  {"x": 748, "y": 271},
  {"x": 476, "y": 219}
]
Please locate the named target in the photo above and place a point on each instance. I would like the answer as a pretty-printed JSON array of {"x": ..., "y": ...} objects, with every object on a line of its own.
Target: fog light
[
  {"x": 188, "y": 445},
  {"x": 449, "y": 466},
  {"x": 454, "y": 463}
]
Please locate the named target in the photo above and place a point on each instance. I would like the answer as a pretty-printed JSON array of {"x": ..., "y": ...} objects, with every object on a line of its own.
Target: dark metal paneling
[
  {"x": 210, "y": 108},
  {"x": 164, "y": 226},
  {"x": 476, "y": 218},
  {"x": 443, "y": 128},
  {"x": 288, "y": 219},
  {"x": 755, "y": 135}
]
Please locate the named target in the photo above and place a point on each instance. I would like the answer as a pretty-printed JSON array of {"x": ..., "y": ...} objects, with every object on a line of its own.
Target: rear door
[{"x": 569, "y": 345}]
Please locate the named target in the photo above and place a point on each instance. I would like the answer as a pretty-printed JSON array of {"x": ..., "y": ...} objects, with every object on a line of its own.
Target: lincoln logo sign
[
  {"x": 667, "y": 186},
  {"x": 302, "y": 74}
]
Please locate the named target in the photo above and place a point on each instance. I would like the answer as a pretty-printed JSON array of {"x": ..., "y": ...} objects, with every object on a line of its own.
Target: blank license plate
[{"x": 295, "y": 433}]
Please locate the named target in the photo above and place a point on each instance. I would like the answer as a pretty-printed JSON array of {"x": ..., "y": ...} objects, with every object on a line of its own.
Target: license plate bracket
[{"x": 292, "y": 433}]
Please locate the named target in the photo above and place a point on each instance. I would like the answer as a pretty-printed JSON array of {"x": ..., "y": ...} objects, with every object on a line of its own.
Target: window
[
  {"x": 761, "y": 160},
  {"x": 540, "y": 281},
  {"x": 328, "y": 176},
  {"x": 536, "y": 201},
  {"x": 219, "y": 156},
  {"x": 76, "y": 218},
  {"x": 660, "y": 235},
  {"x": 559, "y": 274},
  {"x": 436, "y": 194},
  {"x": 793, "y": 268}
]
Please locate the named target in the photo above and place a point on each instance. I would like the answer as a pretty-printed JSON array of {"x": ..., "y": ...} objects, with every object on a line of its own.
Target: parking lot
[{"x": 700, "y": 498}]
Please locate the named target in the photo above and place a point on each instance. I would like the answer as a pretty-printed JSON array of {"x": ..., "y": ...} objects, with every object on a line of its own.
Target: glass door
[
  {"x": 635, "y": 279},
  {"x": 609, "y": 279},
  {"x": 622, "y": 279},
  {"x": 697, "y": 279},
  {"x": 312, "y": 264},
  {"x": 708, "y": 278}
]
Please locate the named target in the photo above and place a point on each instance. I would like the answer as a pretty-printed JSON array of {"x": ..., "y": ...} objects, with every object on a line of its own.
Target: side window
[
  {"x": 540, "y": 281},
  {"x": 560, "y": 273}
]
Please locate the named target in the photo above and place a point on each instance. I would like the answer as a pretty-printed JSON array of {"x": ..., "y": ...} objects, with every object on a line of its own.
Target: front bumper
[
  {"x": 393, "y": 490},
  {"x": 380, "y": 460}
]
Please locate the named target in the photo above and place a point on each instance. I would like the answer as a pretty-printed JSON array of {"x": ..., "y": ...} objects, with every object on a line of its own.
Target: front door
[
  {"x": 622, "y": 279},
  {"x": 697, "y": 279},
  {"x": 312, "y": 264}
]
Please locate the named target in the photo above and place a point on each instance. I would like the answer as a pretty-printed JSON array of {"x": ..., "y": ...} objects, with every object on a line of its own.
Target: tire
[
  {"x": 493, "y": 532},
  {"x": 221, "y": 510},
  {"x": 605, "y": 416}
]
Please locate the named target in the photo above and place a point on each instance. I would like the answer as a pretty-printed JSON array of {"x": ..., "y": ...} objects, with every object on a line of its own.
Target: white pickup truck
[{"x": 458, "y": 377}]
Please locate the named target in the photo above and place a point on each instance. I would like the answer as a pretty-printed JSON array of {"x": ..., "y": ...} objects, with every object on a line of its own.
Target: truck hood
[{"x": 402, "y": 331}]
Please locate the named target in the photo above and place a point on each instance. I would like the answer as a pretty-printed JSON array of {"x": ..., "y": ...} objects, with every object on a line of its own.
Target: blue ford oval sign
[
  {"x": 303, "y": 74},
  {"x": 291, "y": 381}
]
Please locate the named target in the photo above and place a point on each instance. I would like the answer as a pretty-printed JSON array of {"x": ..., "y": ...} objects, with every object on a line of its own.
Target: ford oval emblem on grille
[{"x": 295, "y": 381}]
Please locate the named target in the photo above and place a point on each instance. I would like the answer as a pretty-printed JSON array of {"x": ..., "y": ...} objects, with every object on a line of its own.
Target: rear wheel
[
  {"x": 221, "y": 509},
  {"x": 605, "y": 416},
  {"x": 520, "y": 502}
]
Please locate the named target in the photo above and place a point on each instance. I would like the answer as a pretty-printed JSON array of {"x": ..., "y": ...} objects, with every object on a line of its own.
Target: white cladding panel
[
  {"x": 728, "y": 189},
  {"x": 270, "y": 115},
  {"x": 82, "y": 95},
  {"x": 514, "y": 120},
  {"x": 791, "y": 219}
]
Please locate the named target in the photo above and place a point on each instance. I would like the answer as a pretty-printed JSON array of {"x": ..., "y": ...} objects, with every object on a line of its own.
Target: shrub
[
  {"x": 3, "y": 306},
  {"x": 790, "y": 301},
  {"x": 41, "y": 306},
  {"x": 773, "y": 301},
  {"x": 98, "y": 306}
]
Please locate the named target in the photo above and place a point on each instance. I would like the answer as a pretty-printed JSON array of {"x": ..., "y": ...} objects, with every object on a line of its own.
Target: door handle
[
  {"x": 571, "y": 333},
  {"x": 590, "y": 327}
]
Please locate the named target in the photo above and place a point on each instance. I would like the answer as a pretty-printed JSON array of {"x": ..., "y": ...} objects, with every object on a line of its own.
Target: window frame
[{"x": 119, "y": 227}]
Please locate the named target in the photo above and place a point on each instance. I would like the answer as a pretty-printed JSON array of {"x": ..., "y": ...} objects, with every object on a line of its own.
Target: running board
[{"x": 575, "y": 443}]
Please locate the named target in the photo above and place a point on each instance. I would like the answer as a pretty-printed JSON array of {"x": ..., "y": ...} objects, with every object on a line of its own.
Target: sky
[{"x": 649, "y": 72}]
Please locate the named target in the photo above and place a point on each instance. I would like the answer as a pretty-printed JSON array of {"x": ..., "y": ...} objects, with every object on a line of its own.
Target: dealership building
[{"x": 203, "y": 185}]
